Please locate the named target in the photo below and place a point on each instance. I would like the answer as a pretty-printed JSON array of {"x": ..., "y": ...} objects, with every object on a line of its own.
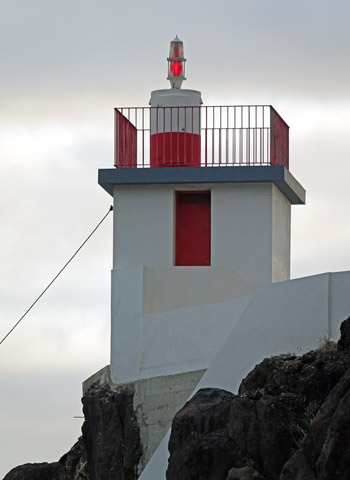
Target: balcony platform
[{"x": 276, "y": 174}]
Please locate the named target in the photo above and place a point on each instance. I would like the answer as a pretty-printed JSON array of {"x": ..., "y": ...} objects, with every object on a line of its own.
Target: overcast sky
[{"x": 64, "y": 66}]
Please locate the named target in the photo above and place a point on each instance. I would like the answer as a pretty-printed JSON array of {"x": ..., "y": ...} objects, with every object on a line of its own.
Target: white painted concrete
[
  {"x": 157, "y": 466},
  {"x": 125, "y": 325},
  {"x": 169, "y": 97},
  {"x": 150, "y": 337},
  {"x": 250, "y": 228},
  {"x": 188, "y": 338},
  {"x": 242, "y": 230},
  {"x": 281, "y": 220},
  {"x": 143, "y": 226},
  {"x": 168, "y": 288},
  {"x": 293, "y": 316},
  {"x": 175, "y": 119},
  {"x": 339, "y": 301},
  {"x": 286, "y": 317}
]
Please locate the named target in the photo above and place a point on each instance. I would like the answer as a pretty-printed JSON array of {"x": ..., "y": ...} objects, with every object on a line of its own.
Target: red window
[{"x": 192, "y": 242}]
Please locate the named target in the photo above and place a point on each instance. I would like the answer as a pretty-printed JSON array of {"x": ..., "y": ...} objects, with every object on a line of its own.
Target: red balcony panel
[
  {"x": 125, "y": 142},
  {"x": 279, "y": 140}
]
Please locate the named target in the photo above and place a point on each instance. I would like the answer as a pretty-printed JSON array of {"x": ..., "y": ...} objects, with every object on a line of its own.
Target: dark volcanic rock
[
  {"x": 72, "y": 466},
  {"x": 75, "y": 462},
  {"x": 200, "y": 442},
  {"x": 290, "y": 421},
  {"x": 37, "y": 471},
  {"x": 297, "y": 468},
  {"x": 245, "y": 473},
  {"x": 327, "y": 447},
  {"x": 111, "y": 433},
  {"x": 278, "y": 418},
  {"x": 243, "y": 426},
  {"x": 344, "y": 341}
]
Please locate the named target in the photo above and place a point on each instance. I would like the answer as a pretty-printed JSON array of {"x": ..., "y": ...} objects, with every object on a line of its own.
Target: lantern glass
[
  {"x": 176, "y": 49},
  {"x": 176, "y": 68}
]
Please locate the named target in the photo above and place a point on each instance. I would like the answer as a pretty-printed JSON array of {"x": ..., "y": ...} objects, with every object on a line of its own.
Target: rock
[
  {"x": 75, "y": 462},
  {"x": 243, "y": 426},
  {"x": 72, "y": 466},
  {"x": 37, "y": 471},
  {"x": 327, "y": 446},
  {"x": 245, "y": 473},
  {"x": 200, "y": 445},
  {"x": 297, "y": 468},
  {"x": 111, "y": 433},
  {"x": 278, "y": 418},
  {"x": 312, "y": 375},
  {"x": 257, "y": 379},
  {"x": 344, "y": 341}
]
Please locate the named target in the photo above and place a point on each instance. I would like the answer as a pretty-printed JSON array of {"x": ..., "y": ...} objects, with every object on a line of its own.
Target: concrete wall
[
  {"x": 157, "y": 332},
  {"x": 143, "y": 226},
  {"x": 168, "y": 288},
  {"x": 250, "y": 247},
  {"x": 242, "y": 230},
  {"x": 288, "y": 317},
  {"x": 250, "y": 228},
  {"x": 281, "y": 220},
  {"x": 156, "y": 401}
]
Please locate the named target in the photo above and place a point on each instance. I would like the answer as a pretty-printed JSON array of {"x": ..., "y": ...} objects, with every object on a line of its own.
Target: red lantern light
[{"x": 176, "y": 63}]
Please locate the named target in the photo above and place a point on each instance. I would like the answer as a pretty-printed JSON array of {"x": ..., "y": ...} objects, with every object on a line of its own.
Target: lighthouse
[{"x": 202, "y": 211}]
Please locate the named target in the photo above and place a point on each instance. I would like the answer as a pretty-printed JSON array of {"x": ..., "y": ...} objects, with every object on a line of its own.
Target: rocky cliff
[{"x": 290, "y": 420}]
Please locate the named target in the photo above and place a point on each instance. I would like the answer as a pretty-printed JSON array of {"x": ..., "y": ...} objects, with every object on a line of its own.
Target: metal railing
[{"x": 206, "y": 136}]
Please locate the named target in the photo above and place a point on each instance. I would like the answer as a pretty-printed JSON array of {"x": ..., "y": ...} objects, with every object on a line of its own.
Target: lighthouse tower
[{"x": 202, "y": 201}]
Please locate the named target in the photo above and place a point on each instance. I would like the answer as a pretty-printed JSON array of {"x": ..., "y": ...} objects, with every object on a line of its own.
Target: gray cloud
[
  {"x": 36, "y": 417},
  {"x": 56, "y": 47}
]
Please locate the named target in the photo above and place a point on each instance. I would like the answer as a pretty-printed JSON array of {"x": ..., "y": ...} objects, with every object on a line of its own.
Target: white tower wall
[
  {"x": 250, "y": 228},
  {"x": 152, "y": 300}
]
